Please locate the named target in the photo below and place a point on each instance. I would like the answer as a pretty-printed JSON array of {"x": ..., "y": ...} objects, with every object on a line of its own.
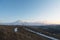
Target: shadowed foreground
[{"x": 7, "y": 33}]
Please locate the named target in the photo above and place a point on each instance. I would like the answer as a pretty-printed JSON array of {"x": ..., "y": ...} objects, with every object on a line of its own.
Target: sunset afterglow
[{"x": 46, "y": 11}]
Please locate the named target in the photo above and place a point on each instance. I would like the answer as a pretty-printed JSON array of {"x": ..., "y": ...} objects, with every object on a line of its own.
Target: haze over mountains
[{"x": 19, "y": 22}]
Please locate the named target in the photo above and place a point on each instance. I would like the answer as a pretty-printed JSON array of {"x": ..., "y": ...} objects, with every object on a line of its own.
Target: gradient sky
[{"x": 47, "y": 11}]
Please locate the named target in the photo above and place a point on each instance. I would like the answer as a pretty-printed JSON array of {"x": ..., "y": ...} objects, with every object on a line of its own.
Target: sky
[{"x": 47, "y": 11}]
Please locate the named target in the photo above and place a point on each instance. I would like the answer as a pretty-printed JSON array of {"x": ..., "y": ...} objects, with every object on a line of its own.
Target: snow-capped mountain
[{"x": 19, "y": 22}]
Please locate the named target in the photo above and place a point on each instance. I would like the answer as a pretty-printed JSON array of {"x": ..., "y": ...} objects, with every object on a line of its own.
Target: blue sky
[{"x": 30, "y": 10}]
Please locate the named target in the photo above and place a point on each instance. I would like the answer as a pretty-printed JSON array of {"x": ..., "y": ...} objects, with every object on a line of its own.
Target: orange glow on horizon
[{"x": 52, "y": 22}]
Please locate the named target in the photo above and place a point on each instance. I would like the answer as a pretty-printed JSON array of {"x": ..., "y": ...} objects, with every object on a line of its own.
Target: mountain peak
[{"x": 19, "y": 22}]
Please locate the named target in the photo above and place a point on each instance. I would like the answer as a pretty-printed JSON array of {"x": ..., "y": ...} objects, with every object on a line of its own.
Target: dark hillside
[{"x": 7, "y": 33}]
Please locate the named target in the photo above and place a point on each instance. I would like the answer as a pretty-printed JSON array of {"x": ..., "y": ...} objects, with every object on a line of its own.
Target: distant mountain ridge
[{"x": 19, "y": 22}]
